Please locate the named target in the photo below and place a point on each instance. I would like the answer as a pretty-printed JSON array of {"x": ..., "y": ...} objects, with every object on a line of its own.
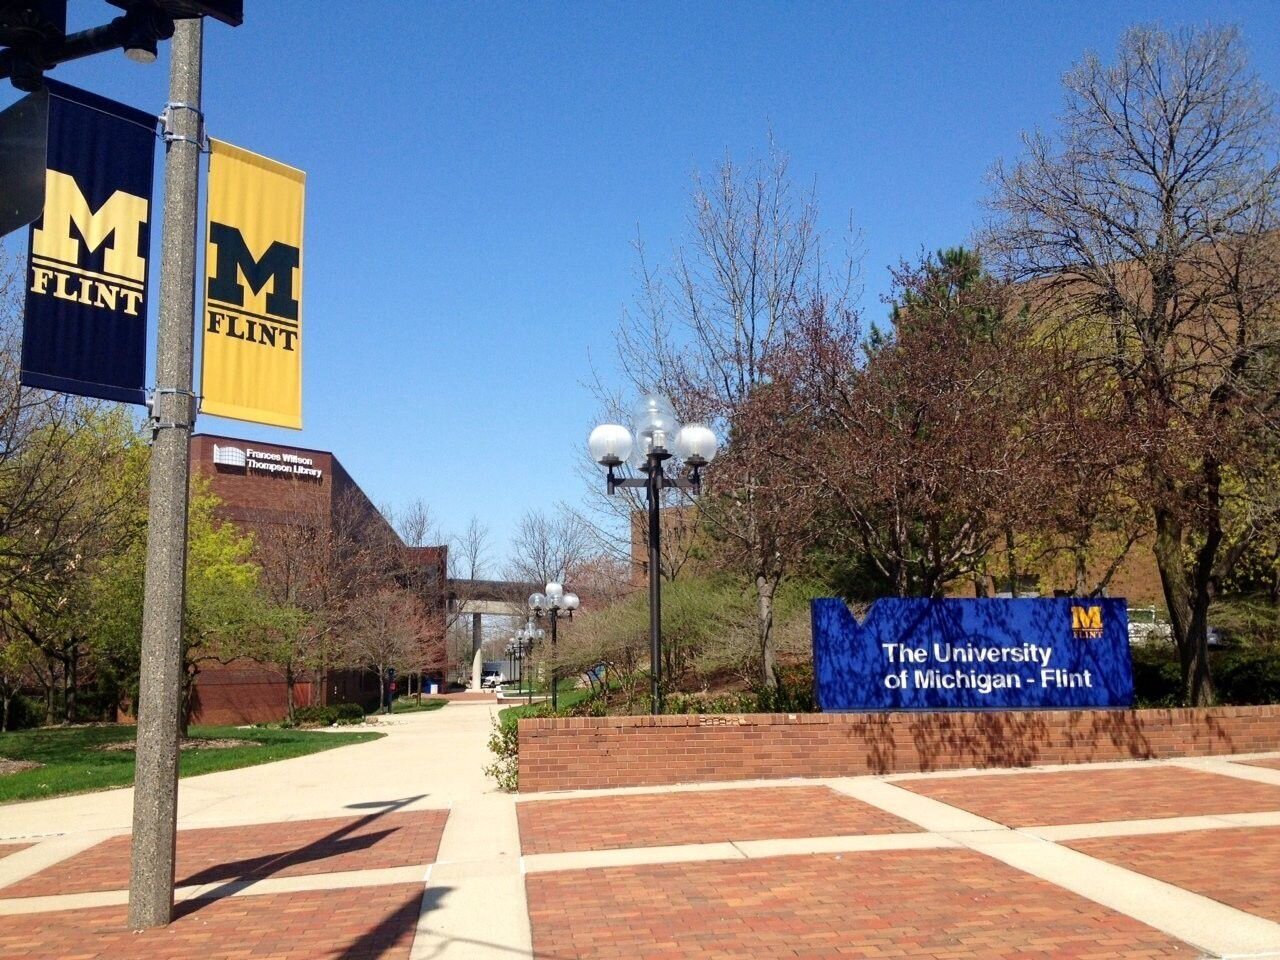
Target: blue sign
[{"x": 923, "y": 654}]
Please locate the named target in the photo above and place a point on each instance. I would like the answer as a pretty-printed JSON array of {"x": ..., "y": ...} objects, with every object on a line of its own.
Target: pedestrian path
[{"x": 401, "y": 849}]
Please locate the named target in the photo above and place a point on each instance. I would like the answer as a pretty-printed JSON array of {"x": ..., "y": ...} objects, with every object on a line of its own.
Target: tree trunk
[
  {"x": 4, "y": 715},
  {"x": 66, "y": 692},
  {"x": 72, "y": 679},
  {"x": 1187, "y": 614},
  {"x": 184, "y": 706},
  {"x": 288, "y": 691},
  {"x": 765, "y": 589},
  {"x": 1082, "y": 571},
  {"x": 1011, "y": 557},
  {"x": 980, "y": 582}
]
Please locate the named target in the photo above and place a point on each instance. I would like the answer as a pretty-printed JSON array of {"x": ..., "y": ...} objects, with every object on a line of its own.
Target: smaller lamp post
[
  {"x": 554, "y": 603},
  {"x": 657, "y": 436},
  {"x": 525, "y": 638}
]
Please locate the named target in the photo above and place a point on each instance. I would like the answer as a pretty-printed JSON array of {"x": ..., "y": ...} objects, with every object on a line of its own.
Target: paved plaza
[{"x": 401, "y": 849}]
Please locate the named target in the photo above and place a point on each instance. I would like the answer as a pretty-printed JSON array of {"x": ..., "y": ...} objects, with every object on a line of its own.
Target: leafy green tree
[{"x": 228, "y": 616}]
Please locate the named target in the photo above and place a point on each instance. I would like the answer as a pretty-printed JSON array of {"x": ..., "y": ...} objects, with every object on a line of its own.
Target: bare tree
[
  {"x": 752, "y": 263},
  {"x": 1149, "y": 223},
  {"x": 548, "y": 547},
  {"x": 388, "y": 629},
  {"x": 415, "y": 524},
  {"x": 320, "y": 559},
  {"x": 469, "y": 551}
]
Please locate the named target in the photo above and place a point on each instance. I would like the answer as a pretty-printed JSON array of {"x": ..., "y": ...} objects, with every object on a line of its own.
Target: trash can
[{"x": 435, "y": 688}]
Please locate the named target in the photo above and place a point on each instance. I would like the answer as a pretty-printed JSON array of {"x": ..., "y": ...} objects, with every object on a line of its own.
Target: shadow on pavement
[{"x": 332, "y": 844}]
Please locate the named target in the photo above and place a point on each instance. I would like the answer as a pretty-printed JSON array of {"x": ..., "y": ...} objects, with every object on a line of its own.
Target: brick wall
[
  {"x": 592, "y": 752},
  {"x": 243, "y": 692}
]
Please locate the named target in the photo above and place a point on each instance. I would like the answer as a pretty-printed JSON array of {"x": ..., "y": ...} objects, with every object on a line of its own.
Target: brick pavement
[
  {"x": 374, "y": 923},
  {"x": 1092, "y": 796},
  {"x": 1273, "y": 763},
  {"x": 952, "y": 904},
  {"x": 662, "y": 819},
  {"x": 295, "y": 848},
  {"x": 1239, "y": 867},
  {"x": 6, "y": 849}
]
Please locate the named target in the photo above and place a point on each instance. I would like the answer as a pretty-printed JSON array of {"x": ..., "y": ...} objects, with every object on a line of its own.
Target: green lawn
[
  {"x": 74, "y": 764},
  {"x": 568, "y": 696},
  {"x": 411, "y": 704}
]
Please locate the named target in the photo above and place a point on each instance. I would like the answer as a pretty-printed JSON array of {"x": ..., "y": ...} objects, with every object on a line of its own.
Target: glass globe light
[
  {"x": 571, "y": 602},
  {"x": 696, "y": 444},
  {"x": 537, "y": 601},
  {"x": 554, "y": 592},
  {"x": 610, "y": 444},
  {"x": 540, "y": 634},
  {"x": 655, "y": 425}
]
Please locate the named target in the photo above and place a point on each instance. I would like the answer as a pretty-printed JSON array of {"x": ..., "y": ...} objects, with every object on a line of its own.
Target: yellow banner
[{"x": 252, "y": 359}]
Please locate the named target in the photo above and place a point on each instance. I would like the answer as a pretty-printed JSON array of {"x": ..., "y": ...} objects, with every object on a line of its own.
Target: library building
[{"x": 289, "y": 498}]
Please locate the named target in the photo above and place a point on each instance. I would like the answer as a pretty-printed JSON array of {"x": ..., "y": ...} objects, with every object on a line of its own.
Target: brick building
[{"x": 298, "y": 502}]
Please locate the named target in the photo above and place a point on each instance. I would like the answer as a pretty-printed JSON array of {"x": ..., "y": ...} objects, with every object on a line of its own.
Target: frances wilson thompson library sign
[
  {"x": 266, "y": 461},
  {"x": 925, "y": 654}
]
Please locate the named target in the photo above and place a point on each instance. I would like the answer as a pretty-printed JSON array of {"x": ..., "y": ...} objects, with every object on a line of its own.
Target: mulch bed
[{"x": 16, "y": 766}]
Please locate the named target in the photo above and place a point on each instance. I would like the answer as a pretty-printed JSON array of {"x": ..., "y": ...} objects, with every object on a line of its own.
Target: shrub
[
  {"x": 340, "y": 713},
  {"x": 504, "y": 743},
  {"x": 24, "y": 713},
  {"x": 1241, "y": 676},
  {"x": 504, "y": 737}
]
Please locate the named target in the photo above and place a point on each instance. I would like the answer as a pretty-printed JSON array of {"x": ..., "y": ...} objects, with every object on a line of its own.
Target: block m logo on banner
[
  {"x": 234, "y": 262},
  {"x": 114, "y": 228},
  {"x": 252, "y": 356}
]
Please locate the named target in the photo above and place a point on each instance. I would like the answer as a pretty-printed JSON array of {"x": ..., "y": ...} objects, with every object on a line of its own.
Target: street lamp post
[
  {"x": 657, "y": 436},
  {"x": 525, "y": 638},
  {"x": 554, "y": 603}
]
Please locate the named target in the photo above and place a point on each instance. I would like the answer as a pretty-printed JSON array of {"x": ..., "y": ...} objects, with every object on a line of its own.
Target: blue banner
[
  {"x": 85, "y": 327},
  {"x": 923, "y": 654}
]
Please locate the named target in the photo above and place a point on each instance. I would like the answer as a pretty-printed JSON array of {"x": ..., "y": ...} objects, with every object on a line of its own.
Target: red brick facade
[
  {"x": 266, "y": 486},
  {"x": 593, "y": 752}
]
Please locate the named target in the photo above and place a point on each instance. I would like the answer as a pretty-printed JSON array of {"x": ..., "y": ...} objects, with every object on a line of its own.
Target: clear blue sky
[{"x": 477, "y": 172}]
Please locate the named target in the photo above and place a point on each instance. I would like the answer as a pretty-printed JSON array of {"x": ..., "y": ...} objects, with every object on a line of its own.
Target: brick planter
[{"x": 576, "y": 753}]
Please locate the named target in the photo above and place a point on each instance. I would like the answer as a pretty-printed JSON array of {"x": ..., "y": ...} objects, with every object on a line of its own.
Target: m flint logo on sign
[
  {"x": 252, "y": 358},
  {"x": 86, "y": 313},
  {"x": 1086, "y": 622}
]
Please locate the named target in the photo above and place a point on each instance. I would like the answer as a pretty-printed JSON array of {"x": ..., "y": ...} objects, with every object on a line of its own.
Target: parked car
[{"x": 489, "y": 680}]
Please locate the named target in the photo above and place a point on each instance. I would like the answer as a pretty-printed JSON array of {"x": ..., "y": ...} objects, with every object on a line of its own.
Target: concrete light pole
[{"x": 155, "y": 797}]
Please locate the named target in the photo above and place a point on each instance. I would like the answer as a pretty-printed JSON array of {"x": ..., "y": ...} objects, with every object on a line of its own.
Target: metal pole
[
  {"x": 155, "y": 792},
  {"x": 655, "y": 589},
  {"x": 554, "y": 703}
]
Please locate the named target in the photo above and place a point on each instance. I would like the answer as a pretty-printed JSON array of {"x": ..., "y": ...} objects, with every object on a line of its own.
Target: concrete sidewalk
[
  {"x": 474, "y": 905},
  {"x": 402, "y": 849}
]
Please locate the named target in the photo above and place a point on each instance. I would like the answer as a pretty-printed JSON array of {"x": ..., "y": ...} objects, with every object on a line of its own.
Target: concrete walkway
[
  {"x": 410, "y": 823},
  {"x": 474, "y": 905}
]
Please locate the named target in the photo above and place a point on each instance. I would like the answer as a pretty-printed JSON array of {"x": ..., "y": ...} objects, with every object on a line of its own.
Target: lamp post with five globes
[
  {"x": 657, "y": 437},
  {"x": 553, "y": 602}
]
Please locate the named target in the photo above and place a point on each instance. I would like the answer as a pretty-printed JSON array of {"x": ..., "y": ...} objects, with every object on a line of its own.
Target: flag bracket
[
  {"x": 156, "y": 424},
  {"x": 201, "y": 139}
]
